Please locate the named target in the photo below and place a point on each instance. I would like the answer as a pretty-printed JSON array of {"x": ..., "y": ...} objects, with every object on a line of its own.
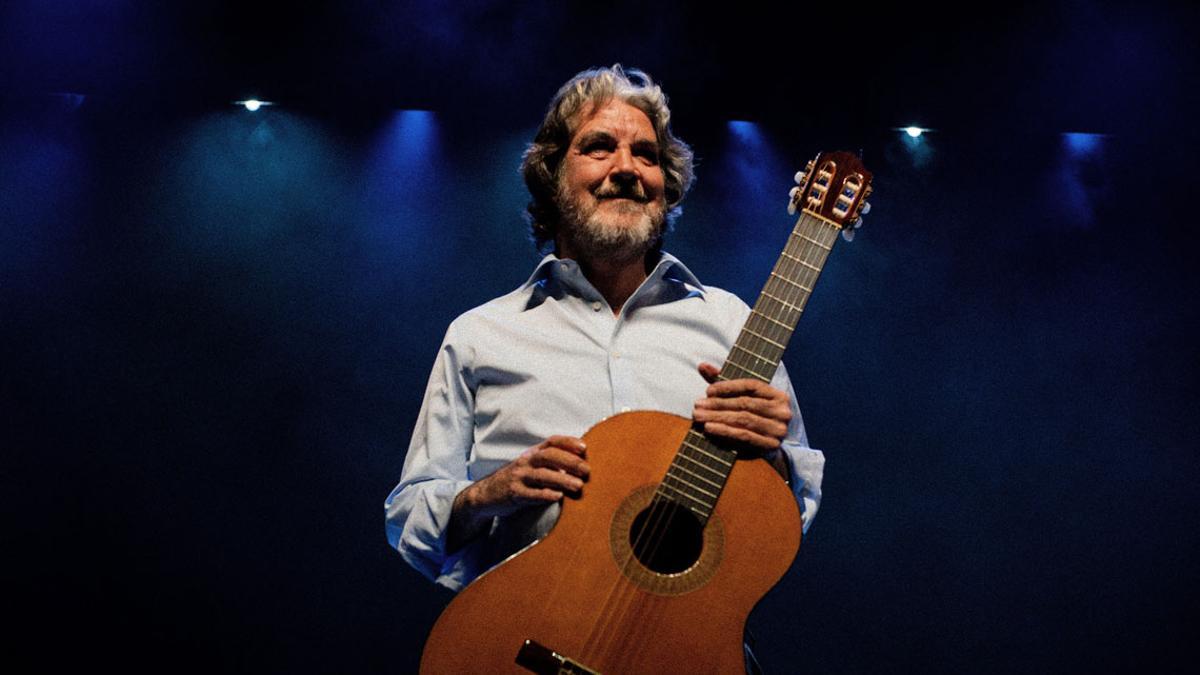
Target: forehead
[{"x": 616, "y": 118}]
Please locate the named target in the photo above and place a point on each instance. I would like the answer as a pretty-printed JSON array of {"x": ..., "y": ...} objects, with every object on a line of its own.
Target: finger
[
  {"x": 709, "y": 372},
  {"x": 570, "y": 443},
  {"x": 528, "y": 495},
  {"x": 551, "y": 478},
  {"x": 554, "y": 458},
  {"x": 757, "y": 441},
  {"x": 744, "y": 419},
  {"x": 744, "y": 387},
  {"x": 773, "y": 408}
]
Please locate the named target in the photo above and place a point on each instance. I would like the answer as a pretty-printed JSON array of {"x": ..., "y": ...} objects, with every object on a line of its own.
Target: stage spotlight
[
  {"x": 252, "y": 104},
  {"x": 1082, "y": 145},
  {"x": 912, "y": 139},
  {"x": 746, "y": 131}
]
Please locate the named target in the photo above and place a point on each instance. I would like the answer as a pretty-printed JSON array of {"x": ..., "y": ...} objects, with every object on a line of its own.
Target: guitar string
[
  {"x": 794, "y": 298},
  {"x": 794, "y": 294},
  {"x": 789, "y": 270},
  {"x": 788, "y": 267}
]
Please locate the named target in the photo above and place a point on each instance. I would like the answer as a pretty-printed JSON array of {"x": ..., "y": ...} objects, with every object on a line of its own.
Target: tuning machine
[
  {"x": 794, "y": 195},
  {"x": 863, "y": 208}
]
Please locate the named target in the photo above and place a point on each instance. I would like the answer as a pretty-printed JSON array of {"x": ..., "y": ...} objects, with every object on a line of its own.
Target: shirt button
[
  {"x": 616, "y": 355},
  {"x": 564, "y": 265},
  {"x": 596, "y": 305}
]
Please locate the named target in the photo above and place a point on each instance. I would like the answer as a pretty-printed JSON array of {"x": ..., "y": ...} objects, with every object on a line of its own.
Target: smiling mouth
[{"x": 625, "y": 198}]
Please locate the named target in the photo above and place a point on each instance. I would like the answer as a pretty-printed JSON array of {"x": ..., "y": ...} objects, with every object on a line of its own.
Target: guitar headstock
[{"x": 833, "y": 187}]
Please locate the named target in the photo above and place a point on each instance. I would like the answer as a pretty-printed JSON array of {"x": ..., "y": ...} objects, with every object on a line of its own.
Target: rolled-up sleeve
[{"x": 435, "y": 469}]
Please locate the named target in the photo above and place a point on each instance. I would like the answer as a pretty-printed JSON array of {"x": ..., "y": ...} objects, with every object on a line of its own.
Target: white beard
[{"x": 611, "y": 236}]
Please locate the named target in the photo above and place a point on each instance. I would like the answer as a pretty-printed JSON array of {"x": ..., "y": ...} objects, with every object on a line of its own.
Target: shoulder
[
  {"x": 485, "y": 319},
  {"x": 724, "y": 300},
  {"x": 716, "y": 300}
]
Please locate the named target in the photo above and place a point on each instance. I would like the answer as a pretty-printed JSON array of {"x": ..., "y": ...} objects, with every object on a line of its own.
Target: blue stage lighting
[
  {"x": 914, "y": 132},
  {"x": 1082, "y": 145}
]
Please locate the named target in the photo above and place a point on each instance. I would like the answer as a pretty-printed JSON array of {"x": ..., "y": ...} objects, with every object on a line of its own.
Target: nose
[{"x": 624, "y": 168}]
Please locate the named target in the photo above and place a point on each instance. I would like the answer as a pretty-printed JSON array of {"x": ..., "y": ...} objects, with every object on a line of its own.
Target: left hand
[{"x": 748, "y": 411}]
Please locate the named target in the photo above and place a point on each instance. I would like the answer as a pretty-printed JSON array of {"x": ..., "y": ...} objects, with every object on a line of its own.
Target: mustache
[{"x": 631, "y": 191}]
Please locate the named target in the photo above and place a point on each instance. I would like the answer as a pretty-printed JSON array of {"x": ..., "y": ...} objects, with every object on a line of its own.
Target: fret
[
  {"x": 781, "y": 324},
  {"x": 682, "y": 485},
  {"x": 706, "y": 453},
  {"x": 814, "y": 242},
  {"x": 833, "y": 224},
  {"x": 749, "y": 370},
  {"x": 792, "y": 283},
  {"x": 698, "y": 476},
  {"x": 756, "y": 355},
  {"x": 684, "y": 488},
  {"x": 808, "y": 265},
  {"x": 783, "y": 302},
  {"x": 765, "y": 339},
  {"x": 676, "y": 494},
  {"x": 701, "y": 511},
  {"x": 702, "y": 465}
]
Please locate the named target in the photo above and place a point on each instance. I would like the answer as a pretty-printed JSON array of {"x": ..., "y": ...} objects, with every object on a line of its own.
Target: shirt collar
[{"x": 565, "y": 270}]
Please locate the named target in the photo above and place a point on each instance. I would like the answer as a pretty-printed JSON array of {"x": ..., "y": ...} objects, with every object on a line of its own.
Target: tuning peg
[
  {"x": 793, "y": 197},
  {"x": 866, "y": 208},
  {"x": 800, "y": 177},
  {"x": 848, "y": 232}
]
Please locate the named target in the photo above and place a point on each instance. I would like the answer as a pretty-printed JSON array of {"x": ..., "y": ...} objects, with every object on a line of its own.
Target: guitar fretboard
[{"x": 701, "y": 466}]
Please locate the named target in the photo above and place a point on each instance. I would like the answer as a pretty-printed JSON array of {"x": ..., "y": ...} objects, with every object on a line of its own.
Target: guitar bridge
[{"x": 545, "y": 661}]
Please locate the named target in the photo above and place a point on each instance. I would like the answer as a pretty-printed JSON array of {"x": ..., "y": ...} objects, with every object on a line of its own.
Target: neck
[{"x": 616, "y": 280}]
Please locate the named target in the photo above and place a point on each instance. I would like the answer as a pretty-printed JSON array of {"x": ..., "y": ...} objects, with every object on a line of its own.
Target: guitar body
[{"x": 581, "y": 593}]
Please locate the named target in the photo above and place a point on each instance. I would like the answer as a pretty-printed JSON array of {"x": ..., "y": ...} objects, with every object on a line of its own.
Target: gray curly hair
[{"x": 597, "y": 87}]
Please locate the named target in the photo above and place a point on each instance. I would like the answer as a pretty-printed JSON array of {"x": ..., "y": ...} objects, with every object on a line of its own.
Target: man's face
[{"x": 610, "y": 190}]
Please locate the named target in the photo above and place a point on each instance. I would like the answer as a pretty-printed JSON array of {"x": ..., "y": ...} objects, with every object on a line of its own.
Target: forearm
[{"x": 466, "y": 521}]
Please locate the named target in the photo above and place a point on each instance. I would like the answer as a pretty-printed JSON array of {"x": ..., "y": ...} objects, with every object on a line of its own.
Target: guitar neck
[
  {"x": 698, "y": 473},
  {"x": 759, "y": 348},
  {"x": 830, "y": 195}
]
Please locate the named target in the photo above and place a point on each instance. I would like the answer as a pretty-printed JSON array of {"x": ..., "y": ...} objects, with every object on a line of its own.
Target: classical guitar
[{"x": 657, "y": 566}]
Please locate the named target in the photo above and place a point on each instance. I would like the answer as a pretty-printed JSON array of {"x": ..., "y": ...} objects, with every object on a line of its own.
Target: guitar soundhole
[{"x": 666, "y": 537}]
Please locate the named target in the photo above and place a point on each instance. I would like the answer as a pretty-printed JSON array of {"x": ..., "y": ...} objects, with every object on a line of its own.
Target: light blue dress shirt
[{"x": 552, "y": 358}]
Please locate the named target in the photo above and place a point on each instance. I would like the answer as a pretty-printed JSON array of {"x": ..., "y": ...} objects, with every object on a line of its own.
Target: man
[{"x": 607, "y": 323}]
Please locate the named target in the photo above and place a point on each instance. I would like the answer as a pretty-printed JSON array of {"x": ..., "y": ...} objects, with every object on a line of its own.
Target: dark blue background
[{"x": 217, "y": 324}]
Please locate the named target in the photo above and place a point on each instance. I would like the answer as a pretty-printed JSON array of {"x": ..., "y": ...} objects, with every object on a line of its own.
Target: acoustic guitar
[{"x": 655, "y": 568}]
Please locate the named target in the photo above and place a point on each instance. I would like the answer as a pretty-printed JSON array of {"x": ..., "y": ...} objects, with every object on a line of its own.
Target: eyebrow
[
  {"x": 598, "y": 136},
  {"x": 595, "y": 136}
]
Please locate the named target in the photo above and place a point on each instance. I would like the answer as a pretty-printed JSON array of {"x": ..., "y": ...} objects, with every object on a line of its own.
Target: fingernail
[{"x": 576, "y": 483}]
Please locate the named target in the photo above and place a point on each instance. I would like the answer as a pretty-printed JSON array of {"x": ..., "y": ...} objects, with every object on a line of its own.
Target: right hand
[{"x": 542, "y": 474}]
